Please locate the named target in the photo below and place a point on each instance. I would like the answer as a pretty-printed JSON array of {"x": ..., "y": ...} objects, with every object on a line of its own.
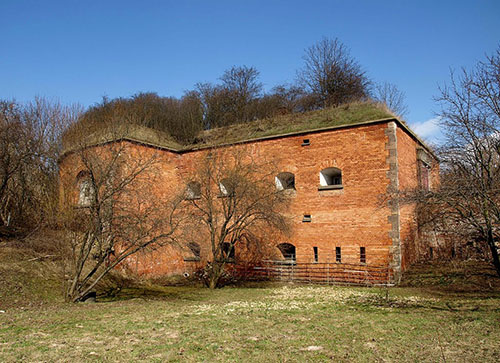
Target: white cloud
[{"x": 429, "y": 130}]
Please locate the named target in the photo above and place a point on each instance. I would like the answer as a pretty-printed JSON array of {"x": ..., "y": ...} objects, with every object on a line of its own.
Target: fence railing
[{"x": 316, "y": 272}]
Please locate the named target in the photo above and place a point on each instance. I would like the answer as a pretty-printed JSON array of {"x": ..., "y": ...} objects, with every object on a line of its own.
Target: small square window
[
  {"x": 306, "y": 142},
  {"x": 307, "y": 218},
  {"x": 338, "y": 255}
]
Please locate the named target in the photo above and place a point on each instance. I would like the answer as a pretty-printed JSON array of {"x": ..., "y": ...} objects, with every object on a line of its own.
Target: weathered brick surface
[
  {"x": 352, "y": 217},
  {"x": 407, "y": 174}
]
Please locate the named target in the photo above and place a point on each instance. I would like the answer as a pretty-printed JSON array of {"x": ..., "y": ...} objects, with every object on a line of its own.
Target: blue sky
[{"x": 79, "y": 51}]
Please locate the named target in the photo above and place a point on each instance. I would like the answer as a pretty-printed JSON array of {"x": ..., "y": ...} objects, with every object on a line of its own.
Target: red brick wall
[
  {"x": 349, "y": 218},
  {"x": 407, "y": 176}
]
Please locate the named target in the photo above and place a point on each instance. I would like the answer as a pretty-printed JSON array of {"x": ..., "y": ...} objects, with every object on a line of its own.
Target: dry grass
[
  {"x": 336, "y": 116},
  {"x": 261, "y": 322}
]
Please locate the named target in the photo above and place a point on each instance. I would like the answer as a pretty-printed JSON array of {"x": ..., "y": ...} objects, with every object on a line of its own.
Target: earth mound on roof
[{"x": 80, "y": 135}]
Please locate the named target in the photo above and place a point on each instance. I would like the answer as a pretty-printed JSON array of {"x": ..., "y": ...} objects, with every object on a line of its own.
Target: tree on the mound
[
  {"x": 232, "y": 201},
  {"x": 332, "y": 75},
  {"x": 114, "y": 208},
  {"x": 392, "y": 97}
]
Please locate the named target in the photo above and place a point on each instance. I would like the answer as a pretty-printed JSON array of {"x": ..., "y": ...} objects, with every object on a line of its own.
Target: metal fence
[{"x": 321, "y": 273}]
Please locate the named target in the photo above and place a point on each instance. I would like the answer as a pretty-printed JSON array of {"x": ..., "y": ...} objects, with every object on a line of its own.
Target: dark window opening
[
  {"x": 228, "y": 251},
  {"x": 453, "y": 253},
  {"x": 431, "y": 253},
  {"x": 424, "y": 176},
  {"x": 307, "y": 218},
  {"x": 226, "y": 187},
  {"x": 288, "y": 251},
  {"x": 195, "y": 250},
  {"x": 362, "y": 254},
  {"x": 315, "y": 249},
  {"x": 285, "y": 181},
  {"x": 338, "y": 255},
  {"x": 193, "y": 190},
  {"x": 306, "y": 142},
  {"x": 86, "y": 190}
]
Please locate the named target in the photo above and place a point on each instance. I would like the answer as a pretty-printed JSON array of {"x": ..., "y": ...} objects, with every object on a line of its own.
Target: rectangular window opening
[
  {"x": 315, "y": 249},
  {"x": 424, "y": 176},
  {"x": 362, "y": 254},
  {"x": 307, "y": 218},
  {"x": 228, "y": 251},
  {"x": 338, "y": 255},
  {"x": 306, "y": 142}
]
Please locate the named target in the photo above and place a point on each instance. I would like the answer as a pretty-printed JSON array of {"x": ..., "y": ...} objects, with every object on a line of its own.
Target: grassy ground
[{"x": 262, "y": 322}]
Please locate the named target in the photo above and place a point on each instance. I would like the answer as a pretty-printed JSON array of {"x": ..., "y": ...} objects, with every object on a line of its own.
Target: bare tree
[
  {"x": 112, "y": 209},
  {"x": 29, "y": 150},
  {"x": 393, "y": 97},
  {"x": 469, "y": 195},
  {"x": 233, "y": 199},
  {"x": 181, "y": 118},
  {"x": 232, "y": 101},
  {"x": 243, "y": 81},
  {"x": 332, "y": 74},
  {"x": 217, "y": 105}
]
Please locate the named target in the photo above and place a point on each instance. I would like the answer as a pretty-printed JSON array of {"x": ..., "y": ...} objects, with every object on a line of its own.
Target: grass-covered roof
[
  {"x": 344, "y": 115},
  {"x": 348, "y": 114}
]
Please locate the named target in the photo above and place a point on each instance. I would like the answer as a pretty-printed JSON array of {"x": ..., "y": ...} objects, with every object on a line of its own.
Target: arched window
[
  {"x": 193, "y": 190},
  {"x": 228, "y": 251},
  {"x": 86, "y": 191},
  {"x": 288, "y": 251},
  {"x": 227, "y": 187},
  {"x": 330, "y": 177},
  {"x": 285, "y": 181},
  {"x": 195, "y": 249}
]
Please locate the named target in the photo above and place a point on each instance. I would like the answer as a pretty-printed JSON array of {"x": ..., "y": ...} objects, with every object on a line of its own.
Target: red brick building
[{"x": 337, "y": 178}]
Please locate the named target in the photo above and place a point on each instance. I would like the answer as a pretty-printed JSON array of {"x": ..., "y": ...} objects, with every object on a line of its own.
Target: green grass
[
  {"x": 431, "y": 319},
  {"x": 263, "y": 323}
]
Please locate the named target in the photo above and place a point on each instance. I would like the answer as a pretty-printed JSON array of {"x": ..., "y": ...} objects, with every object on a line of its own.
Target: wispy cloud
[{"x": 429, "y": 130}]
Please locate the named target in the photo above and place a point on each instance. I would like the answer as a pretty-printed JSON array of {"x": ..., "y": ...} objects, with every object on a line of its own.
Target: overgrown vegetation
[
  {"x": 330, "y": 77},
  {"x": 30, "y": 146},
  {"x": 113, "y": 216},
  {"x": 347, "y": 114},
  {"x": 431, "y": 320},
  {"x": 466, "y": 204},
  {"x": 233, "y": 202}
]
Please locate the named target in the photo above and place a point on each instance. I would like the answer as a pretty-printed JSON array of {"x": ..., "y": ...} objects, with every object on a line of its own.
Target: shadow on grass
[
  {"x": 471, "y": 279},
  {"x": 188, "y": 292},
  {"x": 169, "y": 293}
]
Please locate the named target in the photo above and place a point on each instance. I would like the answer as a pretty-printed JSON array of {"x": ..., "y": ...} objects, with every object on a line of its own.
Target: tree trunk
[
  {"x": 213, "y": 282},
  {"x": 494, "y": 252},
  {"x": 215, "y": 275}
]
